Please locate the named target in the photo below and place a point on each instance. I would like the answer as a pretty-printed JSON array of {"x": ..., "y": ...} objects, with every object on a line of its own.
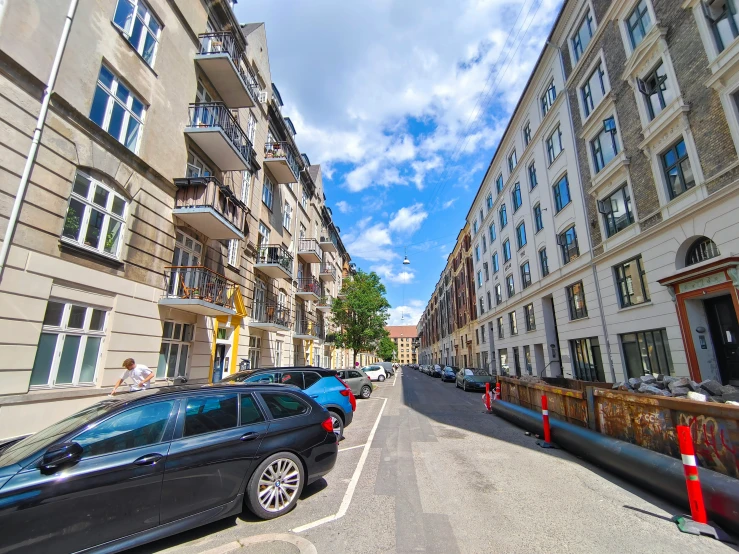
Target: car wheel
[
  {"x": 456, "y": 383},
  {"x": 365, "y": 392},
  {"x": 275, "y": 486},
  {"x": 381, "y": 378},
  {"x": 338, "y": 424}
]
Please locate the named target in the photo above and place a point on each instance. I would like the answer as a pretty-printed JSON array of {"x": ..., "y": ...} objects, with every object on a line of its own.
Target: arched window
[{"x": 701, "y": 250}]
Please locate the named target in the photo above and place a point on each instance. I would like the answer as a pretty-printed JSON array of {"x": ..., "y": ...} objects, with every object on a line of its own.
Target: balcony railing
[
  {"x": 324, "y": 303},
  {"x": 327, "y": 272},
  {"x": 217, "y": 117},
  {"x": 279, "y": 151},
  {"x": 214, "y": 46},
  {"x": 309, "y": 250},
  {"x": 306, "y": 327},
  {"x": 309, "y": 285},
  {"x": 200, "y": 287},
  {"x": 276, "y": 256},
  {"x": 267, "y": 312},
  {"x": 210, "y": 207}
]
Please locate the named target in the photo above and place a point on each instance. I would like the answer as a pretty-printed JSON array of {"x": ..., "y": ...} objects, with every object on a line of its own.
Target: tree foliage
[
  {"x": 386, "y": 348},
  {"x": 362, "y": 314}
]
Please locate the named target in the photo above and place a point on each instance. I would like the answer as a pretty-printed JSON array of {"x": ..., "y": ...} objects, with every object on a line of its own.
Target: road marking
[
  {"x": 351, "y": 447},
  {"x": 396, "y": 378},
  {"x": 347, "y": 500}
]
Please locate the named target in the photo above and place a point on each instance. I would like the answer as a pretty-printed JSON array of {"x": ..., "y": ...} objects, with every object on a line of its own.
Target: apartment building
[
  {"x": 165, "y": 212},
  {"x": 405, "y": 338},
  {"x": 606, "y": 209}
]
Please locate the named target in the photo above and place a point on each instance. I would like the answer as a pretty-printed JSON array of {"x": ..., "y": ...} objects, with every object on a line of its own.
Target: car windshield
[
  {"x": 480, "y": 372},
  {"x": 18, "y": 451}
]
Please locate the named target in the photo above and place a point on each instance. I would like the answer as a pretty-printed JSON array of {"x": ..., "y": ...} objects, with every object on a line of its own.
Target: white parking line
[
  {"x": 396, "y": 378},
  {"x": 347, "y": 500},
  {"x": 351, "y": 447}
]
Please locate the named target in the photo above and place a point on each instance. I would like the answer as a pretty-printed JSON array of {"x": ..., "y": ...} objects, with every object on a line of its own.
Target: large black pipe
[{"x": 650, "y": 470}]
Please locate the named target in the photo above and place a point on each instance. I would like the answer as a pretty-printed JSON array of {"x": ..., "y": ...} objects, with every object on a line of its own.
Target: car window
[
  {"x": 139, "y": 426},
  {"x": 311, "y": 378},
  {"x": 468, "y": 372},
  {"x": 249, "y": 411},
  {"x": 205, "y": 414},
  {"x": 294, "y": 378},
  {"x": 355, "y": 374},
  {"x": 262, "y": 378},
  {"x": 284, "y": 405}
]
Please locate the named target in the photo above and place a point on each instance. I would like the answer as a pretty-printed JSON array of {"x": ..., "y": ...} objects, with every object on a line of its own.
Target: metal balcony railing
[
  {"x": 306, "y": 326},
  {"x": 209, "y": 192},
  {"x": 271, "y": 312},
  {"x": 224, "y": 42},
  {"x": 310, "y": 245},
  {"x": 275, "y": 254},
  {"x": 199, "y": 283},
  {"x": 328, "y": 269},
  {"x": 309, "y": 284},
  {"x": 325, "y": 302},
  {"x": 216, "y": 115},
  {"x": 285, "y": 150}
]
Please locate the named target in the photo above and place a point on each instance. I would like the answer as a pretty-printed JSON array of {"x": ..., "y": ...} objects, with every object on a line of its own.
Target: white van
[{"x": 375, "y": 372}]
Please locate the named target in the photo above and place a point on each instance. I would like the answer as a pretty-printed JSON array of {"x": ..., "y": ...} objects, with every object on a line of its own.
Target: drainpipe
[
  {"x": 33, "y": 150},
  {"x": 587, "y": 224}
]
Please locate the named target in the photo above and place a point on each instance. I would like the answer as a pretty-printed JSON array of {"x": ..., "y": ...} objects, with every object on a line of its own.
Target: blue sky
[{"x": 403, "y": 103}]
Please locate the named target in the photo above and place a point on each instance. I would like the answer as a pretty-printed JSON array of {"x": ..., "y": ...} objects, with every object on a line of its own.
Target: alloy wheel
[{"x": 278, "y": 485}]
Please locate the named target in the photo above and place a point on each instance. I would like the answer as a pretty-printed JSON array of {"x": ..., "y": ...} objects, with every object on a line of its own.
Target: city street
[{"x": 440, "y": 475}]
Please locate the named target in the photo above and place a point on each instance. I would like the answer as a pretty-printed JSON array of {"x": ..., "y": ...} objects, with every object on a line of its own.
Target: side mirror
[{"x": 61, "y": 454}]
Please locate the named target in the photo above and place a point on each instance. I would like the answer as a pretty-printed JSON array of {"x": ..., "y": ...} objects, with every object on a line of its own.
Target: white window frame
[
  {"x": 251, "y": 128},
  {"x": 108, "y": 217},
  {"x": 233, "y": 253},
  {"x": 585, "y": 111},
  {"x": 246, "y": 177},
  {"x": 287, "y": 217},
  {"x": 600, "y": 135},
  {"x": 128, "y": 108},
  {"x": 512, "y": 161},
  {"x": 268, "y": 192},
  {"x": 623, "y": 14},
  {"x": 587, "y": 13},
  {"x": 175, "y": 338},
  {"x": 196, "y": 167},
  {"x": 264, "y": 232},
  {"x": 146, "y": 21}
]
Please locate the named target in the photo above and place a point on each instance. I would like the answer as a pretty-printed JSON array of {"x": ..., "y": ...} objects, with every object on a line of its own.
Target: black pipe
[{"x": 655, "y": 472}]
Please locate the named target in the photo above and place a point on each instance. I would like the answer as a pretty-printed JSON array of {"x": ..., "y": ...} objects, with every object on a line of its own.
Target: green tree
[
  {"x": 362, "y": 313},
  {"x": 386, "y": 348}
]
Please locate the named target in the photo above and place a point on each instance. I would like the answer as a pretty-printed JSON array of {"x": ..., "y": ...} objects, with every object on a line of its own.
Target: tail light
[
  {"x": 328, "y": 425},
  {"x": 348, "y": 392},
  {"x": 353, "y": 401}
]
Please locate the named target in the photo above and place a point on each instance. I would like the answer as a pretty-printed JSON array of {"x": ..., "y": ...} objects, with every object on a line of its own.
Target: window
[
  {"x": 479, "y": 279},
  {"x": 701, "y": 250},
  {"x": 482, "y": 334},
  {"x": 487, "y": 272},
  {"x": 605, "y": 146},
  {"x": 521, "y": 235},
  {"x": 593, "y": 90},
  {"x": 139, "y": 26},
  {"x": 117, "y": 110},
  {"x": 547, "y": 100},
  {"x": 510, "y": 285},
  {"x": 304, "y": 200},
  {"x": 474, "y": 227},
  {"x": 503, "y": 215},
  {"x": 513, "y": 326},
  {"x": 482, "y": 308},
  {"x": 722, "y": 17},
  {"x": 586, "y": 359},
  {"x": 638, "y": 23},
  {"x": 678, "y": 172},
  {"x": 656, "y": 90},
  {"x": 647, "y": 352},
  {"x": 255, "y": 350},
  {"x": 544, "y": 262},
  {"x": 207, "y": 414},
  {"x": 287, "y": 217},
  {"x": 568, "y": 242},
  {"x": 633, "y": 288},
  {"x": 482, "y": 217},
  {"x": 538, "y": 221},
  {"x": 616, "y": 210},
  {"x": 484, "y": 244},
  {"x": 489, "y": 201},
  {"x": 506, "y": 250},
  {"x": 496, "y": 265},
  {"x": 251, "y": 128},
  {"x": 525, "y": 275},
  {"x": 477, "y": 336},
  {"x": 95, "y": 217},
  {"x": 526, "y": 134},
  {"x": 490, "y": 301},
  {"x": 233, "y": 253},
  {"x": 250, "y": 413},
  {"x": 499, "y": 184},
  {"x": 512, "y": 161},
  {"x": 264, "y": 233},
  {"x": 554, "y": 145},
  {"x": 245, "y": 187},
  {"x": 561, "y": 193},
  {"x": 135, "y": 428},
  {"x": 492, "y": 233},
  {"x": 576, "y": 301},
  {"x": 268, "y": 192},
  {"x": 582, "y": 36},
  {"x": 516, "y": 197},
  {"x": 528, "y": 312},
  {"x": 500, "y": 327},
  {"x": 175, "y": 349},
  {"x": 69, "y": 345},
  {"x": 283, "y": 405},
  {"x": 532, "y": 176},
  {"x": 498, "y": 294},
  {"x": 477, "y": 252}
]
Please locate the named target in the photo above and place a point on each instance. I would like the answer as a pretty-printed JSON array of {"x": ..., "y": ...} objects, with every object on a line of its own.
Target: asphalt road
[{"x": 424, "y": 469}]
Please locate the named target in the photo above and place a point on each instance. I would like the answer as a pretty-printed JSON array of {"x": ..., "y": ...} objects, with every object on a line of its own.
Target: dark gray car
[{"x": 358, "y": 381}]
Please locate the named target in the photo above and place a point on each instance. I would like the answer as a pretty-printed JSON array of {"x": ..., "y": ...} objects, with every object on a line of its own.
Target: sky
[{"x": 403, "y": 103}]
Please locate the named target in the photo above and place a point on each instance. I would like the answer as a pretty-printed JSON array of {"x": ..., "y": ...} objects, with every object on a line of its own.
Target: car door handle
[
  {"x": 314, "y": 396},
  {"x": 148, "y": 460},
  {"x": 249, "y": 436}
]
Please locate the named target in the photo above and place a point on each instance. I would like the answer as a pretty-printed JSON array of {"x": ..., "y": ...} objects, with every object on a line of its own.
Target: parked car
[
  {"x": 388, "y": 367},
  {"x": 145, "y": 465},
  {"x": 474, "y": 379},
  {"x": 448, "y": 374},
  {"x": 436, "y": 371},
  {"x": 358, "y": 381},
  {"x": 323, "y": 385},
  {"x": 375, "y": 372}
]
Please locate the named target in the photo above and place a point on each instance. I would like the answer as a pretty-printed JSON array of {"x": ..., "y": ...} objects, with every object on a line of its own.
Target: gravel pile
[{"x": 681, "y": 387}]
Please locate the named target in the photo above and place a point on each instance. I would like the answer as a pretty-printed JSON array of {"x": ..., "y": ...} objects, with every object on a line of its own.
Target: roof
[
  {"x": 248, "y": 28},
  {"x": 397, "y": 331}
]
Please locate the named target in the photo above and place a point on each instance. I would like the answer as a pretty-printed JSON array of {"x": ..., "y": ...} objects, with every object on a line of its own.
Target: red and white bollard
[
  {"x": 497, "y": 391},
  {"x": 547, "y": 442},
  {"x": 487, "y": 396}
]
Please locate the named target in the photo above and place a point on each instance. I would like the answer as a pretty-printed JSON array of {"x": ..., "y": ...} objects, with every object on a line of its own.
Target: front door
[
  {"x": 218, "y": 362},
  {"x": 722, "y": 322}
]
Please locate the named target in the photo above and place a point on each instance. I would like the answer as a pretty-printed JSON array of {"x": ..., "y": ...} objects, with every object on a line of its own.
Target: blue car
[{"x": 323, "y": 385}]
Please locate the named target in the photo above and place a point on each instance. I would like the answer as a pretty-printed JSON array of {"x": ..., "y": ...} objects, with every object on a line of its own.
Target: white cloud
[
  {"x": 411, "y": 313},
  {"x": 344, "y": 206},
  {"x": 370, "y": 242},
  {"x": 409, "y": 219},
  {"x": 388, "y": 274},
  {"x": 448, "y": 204}
]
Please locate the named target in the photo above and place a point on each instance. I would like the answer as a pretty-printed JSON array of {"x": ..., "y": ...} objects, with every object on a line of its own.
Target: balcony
[
  {"x": 330, "y": 338},
  {"x": 327, "y": 245},
  {"x": 270, "y": 315},
  {"x": 324, "y": 304},
  {"x": 307, "y": 329},
  {"x": 309, "y": 288},
  {"x": 282, "y": 162},
  {"x": 198, "y": 290},
  {"x": 275, "y": 261},
  {"x": 215, "y": 130},
  {"x": 327, "y": 273},
  {"x": 310, "y": 252},
  {"x": 209, "y": 206},
  {"x": 222, "y": 60}
]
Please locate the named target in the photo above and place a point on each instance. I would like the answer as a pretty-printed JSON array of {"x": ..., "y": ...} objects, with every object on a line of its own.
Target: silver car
[{"x": 358, "y": 381}]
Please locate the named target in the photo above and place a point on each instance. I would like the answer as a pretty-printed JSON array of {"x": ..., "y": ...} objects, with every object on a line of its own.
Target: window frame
[
  {"x": 640, "y": 21},
  {"x": 287, "y": 217},
  {"x": 507, "y": 252},
  {"x": 533, "y": 181},
  {"x": 498, "y": 294},
  {"x": 623, "y": 279},
  {"x": 127, "y": 30},
  {"x": 556, "y": 189},
  {"x": 586, "y": 90},
  {"x": 499, "y": 184},
  {"x": 544, "y": 262},
  {"x": 493, "y": 234},
  {"x": 503, "y": 216},
  {"x": 496, "y": 262},
  {"x": 512, "y": 161},
  {"x": 566, "y": 248},
  {"x": 538, "y": 218},
  {"x": 609, "y": 221},
  {"x": 548, "y": 98},
  {"x": 516, "y": 198},
  {"x": 713, "y": 23},
  {"x": 530, "y": 317},
  {"x": 512, "y": 323},
  {"x": 526, "y": 134},
  {"x": 576, "y": 40},
  {"x": 573, "y": 297},
  {"x": 510, "y": 283},
  {"x": 652, "y": 354},
  {"x": 113, "y": 100},
  {"x": 521, "y": 240},
  {"x": 525, "y": 275},
  {"x": 551, "y": 154},
  {"x": 178, "y": 336},
  {"x": 662, "y": 84},
  {"x": 501, "y": 332},
  {"x": 233, "y": 253},
  {"x": 596, "y": 145},
  {"x": 268, "y": 192},
  {"x": 678, "y": 165}
]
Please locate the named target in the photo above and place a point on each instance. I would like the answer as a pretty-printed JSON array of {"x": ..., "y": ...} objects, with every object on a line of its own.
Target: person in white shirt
[{"x": 139, "y": 374}]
